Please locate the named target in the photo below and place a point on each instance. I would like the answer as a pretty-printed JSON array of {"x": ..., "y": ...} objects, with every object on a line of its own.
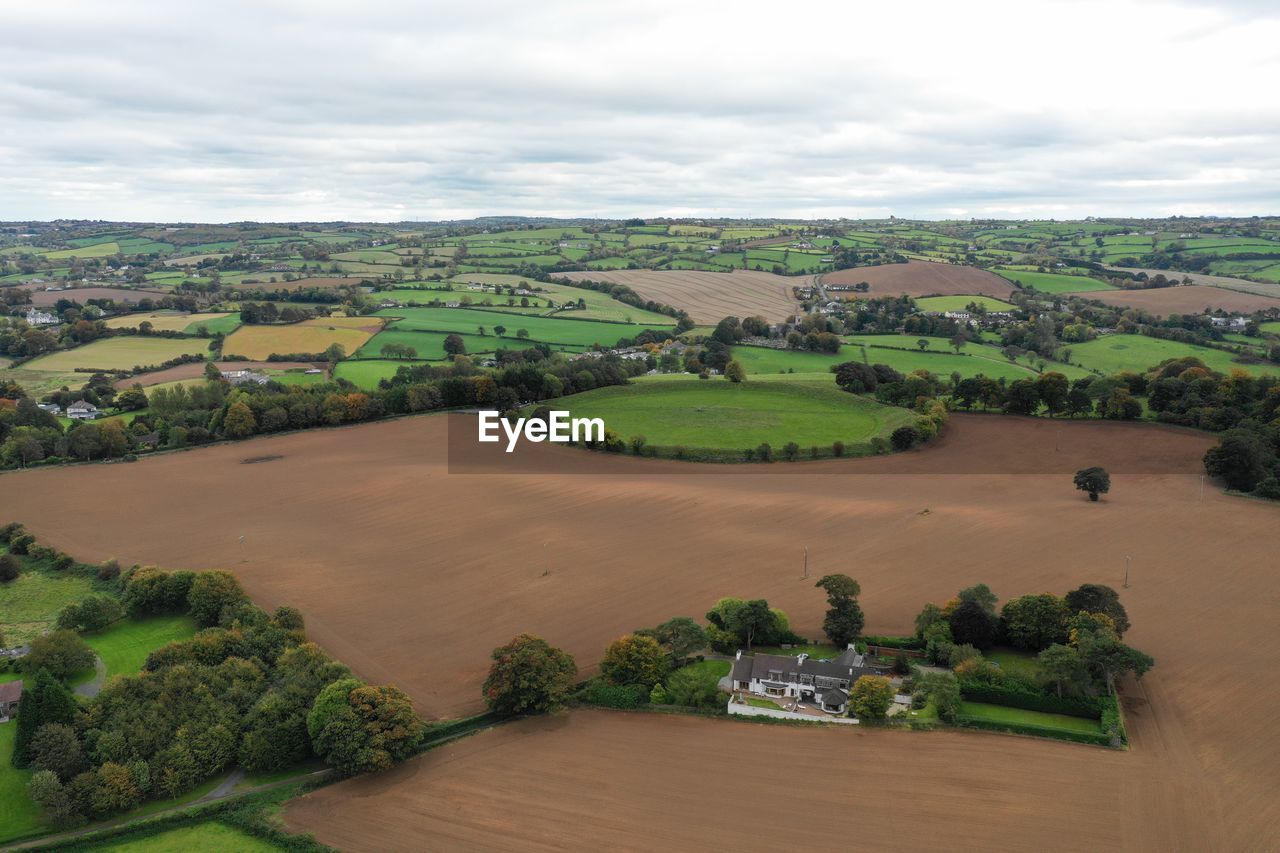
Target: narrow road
[{"x": 92, "y": 688}]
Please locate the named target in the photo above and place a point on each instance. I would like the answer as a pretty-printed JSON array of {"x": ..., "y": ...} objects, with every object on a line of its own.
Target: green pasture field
[
  {"x": 1049, "y": 282},
  {"x": 207, "y": 837},
  {"x": 366, "y": 373},
  {"x": 961, "y": 303},
  {"x": 1271, "y": 328},
  {"x": 600, "y": 306},
  {"x": 38, "y": 383},
  {"x": 430, "y": 345},
  {"x": 582, "y": 333},
  {"x": 98, "y": 250},
  {"x": 225, "y": 325},
  {"x": 1003, "y": 714},
  {"x": 720, "y": 415},
  {"x": 941, "y": 359},
  {"x": 1114, "y": 353},
  {"x": 120, "y": 353},
  {"x": 30, "y": 603}
]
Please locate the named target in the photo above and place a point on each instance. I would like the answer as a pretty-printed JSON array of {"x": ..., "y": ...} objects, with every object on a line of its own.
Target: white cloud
[{"x": 320, "y": 110}]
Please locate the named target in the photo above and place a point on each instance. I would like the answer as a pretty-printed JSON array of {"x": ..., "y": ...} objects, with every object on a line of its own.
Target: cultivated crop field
[
  {"x": 45, "y": 298},
  {"x": 1048, "y": 282},
  {"x": 1197, "y": 778},
  {"x": 922, "y": 278},
  {"x": 722, "y": 415},
  {"x": 578, "y": 333},
  {"x": 178, "y": 321},
  {"x": 709, "y": 296},
  {"x": 309, "y": 336},
  {"x": 120, "y": 353},
  {"x": 1186, "y": 299}
]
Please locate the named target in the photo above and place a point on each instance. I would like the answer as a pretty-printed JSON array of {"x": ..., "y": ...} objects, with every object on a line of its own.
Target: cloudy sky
[{"x": 312, "y": 110}]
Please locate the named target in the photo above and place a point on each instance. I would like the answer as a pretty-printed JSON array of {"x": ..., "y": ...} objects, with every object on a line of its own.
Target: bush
[
  {"x": 109, "y": 571},
  {"x": 837, "y": 449},
  {"x": 21, "y": 543},
  {"x": 1112, "y": 725},
  {"x": 904, "y": 438},
  {"x": 10, "y": 568},
  {"x": 912, "y": 643},
  {"x": 622, "y": 696},
  {"x": 1089, "y": 708},
  {"x": 9, "y": 531}
]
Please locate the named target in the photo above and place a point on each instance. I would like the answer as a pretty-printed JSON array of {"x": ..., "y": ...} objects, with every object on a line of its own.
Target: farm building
[
  {"x": 241, "y": 377},
  {"x": 825, "y": 683},
  {"x": 10, "y": 698},
  {"x": 36, "y": 317},
  {"x": 83, "y": 411}
]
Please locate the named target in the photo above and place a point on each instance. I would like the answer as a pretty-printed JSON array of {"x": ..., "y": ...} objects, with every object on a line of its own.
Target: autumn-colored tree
[
  {"x": 734, "y": 371},
  {"x": 633, "y": 659},
  {"x": 528, "y": 676},
  {"x": 871, "y": 697},
  {"x": 239, "y": 421},
  {"x": 360, "y": 728},
  {"x": 210, "y": 593}
]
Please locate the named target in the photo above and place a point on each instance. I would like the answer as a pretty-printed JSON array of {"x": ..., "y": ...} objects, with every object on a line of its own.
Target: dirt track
[
  {"x": 709, "y": 297},
  {"x": 411, "y": 574},
  {"x": 922, "y": 278},
  {"x": 1184, "y": 299}
]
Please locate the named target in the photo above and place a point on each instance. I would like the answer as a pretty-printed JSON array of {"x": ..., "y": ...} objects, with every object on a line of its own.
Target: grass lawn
[
  {"x": 118, "y": 353},
  {"x": 29, "y": 604},
  {"x": 1013, "y": 660},
  {"x": 430, "y": 345},
  {"x": 721, "y": 415},
  {"x": 209, "y": 837},
  {"x": 366, "y": 373},
  {"x": 1002, "y": 714},
  {"x": 762, "y": 703},
  {"x": 18, "y": 815},
  {"x": 213, "y": 323},
  {"x": 941, "y": 360},
  {"x": 1114, "y": 353},
  {"x": 820, "y": 651},
  {"x": 1049, "y": 282},
  {"x": 716, "y": 669},
  {"x": 125, "y": 645},
  {"x": 961, "y": 303}
]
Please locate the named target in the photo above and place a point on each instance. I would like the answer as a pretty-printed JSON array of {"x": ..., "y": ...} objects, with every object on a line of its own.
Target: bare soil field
[
  {"x": 195, "y": 370},
  {"x": 45, "y": 298},
  {"x": 616, "y": 781},
  {"x": 411, "y": 573},
  {"x": 709, "y": 297},
  {"x": 1184, "y": 299},
  {"x": 923, "y": 278}
]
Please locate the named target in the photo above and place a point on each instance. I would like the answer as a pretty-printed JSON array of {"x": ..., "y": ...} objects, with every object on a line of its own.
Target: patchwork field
[
  {"x": 922, "y": 278},
  {"x": 309, "y": 336},
  {"x": 298, "y": 284},
  {"x": 1205, "y": 762},
  {"x": 1048, "y": 282},
  {"x": 721, "y": 415},
  {"x": 178, "y": 321},
  {"x": 576, "y": 333},
  {"x": 120, "y": 353},
  {"x": 1186, "y": 299},
  {"x": 709, "y": 297},
  {"x": 82, "y": 295}
]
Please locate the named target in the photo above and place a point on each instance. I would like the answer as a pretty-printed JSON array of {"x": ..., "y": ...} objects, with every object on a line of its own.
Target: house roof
[
  {"x": 834, "y": 696},
  {"x": 11, "y": 691},
  {"x": 848, "y": 666}
]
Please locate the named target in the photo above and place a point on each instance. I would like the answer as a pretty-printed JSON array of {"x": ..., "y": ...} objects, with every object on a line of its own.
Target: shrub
[
  {"x": 837, "y": 449},
  {"x": 764, "y": 452},
  {"x": 1039, "y": 731},
  {"x": 9, "y": 531},
  {"x": 109, "y": 571},
  {"x": 904, "y": 438},
  {"x": 10, "y": 568},
  {"x": 791, "y": 450},
  {"x": 623, "y": 696},
  {"x": 21, "y": 543},
  {"x": 1087, "y": 707},
  {"x": 693, "y": 689}
]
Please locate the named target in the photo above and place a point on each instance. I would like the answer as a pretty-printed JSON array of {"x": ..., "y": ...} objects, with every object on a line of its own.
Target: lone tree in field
[
  {"x": 1096, "y": 481},
  {"x": 529, "y": 676},
  {"x": 844, "y": 620},
  {"x": 734, "y": 371},
  {"x": 454, "y": 346}
]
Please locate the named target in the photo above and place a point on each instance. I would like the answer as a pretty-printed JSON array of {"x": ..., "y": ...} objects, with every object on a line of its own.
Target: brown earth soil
[
  {"x": 1184, "y": 299},
  {"x": 709, "y": 297},
  {"x": 615, "y": 781},
  {"x": 922, "y": 278},
  {"x": 44, "y": 298},
  {"x": 196, "y": 369},
  {"x": 1263, "y": 288},
  {"x": 410, "y": 574}
]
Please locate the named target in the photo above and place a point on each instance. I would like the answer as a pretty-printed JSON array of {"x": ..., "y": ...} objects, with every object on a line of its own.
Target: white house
[
  {"x": 35, "y": 317},
  {"x": 824, "y": 683},
  {"x": 51, "y": 408}
]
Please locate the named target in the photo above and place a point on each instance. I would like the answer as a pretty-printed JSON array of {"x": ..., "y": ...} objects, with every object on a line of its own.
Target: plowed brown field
[
  {"x": 709, "y": 297},
  {"x": 411, "y": 574},
  {"x": 1184, "y": 299},
  {"x": 923, "y": 278}
]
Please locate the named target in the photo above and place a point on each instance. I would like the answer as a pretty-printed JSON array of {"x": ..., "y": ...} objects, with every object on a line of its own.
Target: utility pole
[
  {"x": 806, "y": 561},
  {"x": 1127, "y": 559}
]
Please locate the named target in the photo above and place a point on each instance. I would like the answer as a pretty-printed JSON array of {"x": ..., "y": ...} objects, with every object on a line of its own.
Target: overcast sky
[{"x": 314, "y": 110}]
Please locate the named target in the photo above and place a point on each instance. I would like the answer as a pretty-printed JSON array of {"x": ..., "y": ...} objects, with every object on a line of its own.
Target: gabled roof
[{"x": 10, "y": 691}]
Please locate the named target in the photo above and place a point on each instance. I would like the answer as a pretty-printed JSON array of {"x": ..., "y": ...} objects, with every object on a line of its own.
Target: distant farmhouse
[
  {"x": 36, "y": 317},
  {"x": 243, "y": 377},
  {"x": 83, "y": 411},
  {"x": 10, "y": 699}
]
